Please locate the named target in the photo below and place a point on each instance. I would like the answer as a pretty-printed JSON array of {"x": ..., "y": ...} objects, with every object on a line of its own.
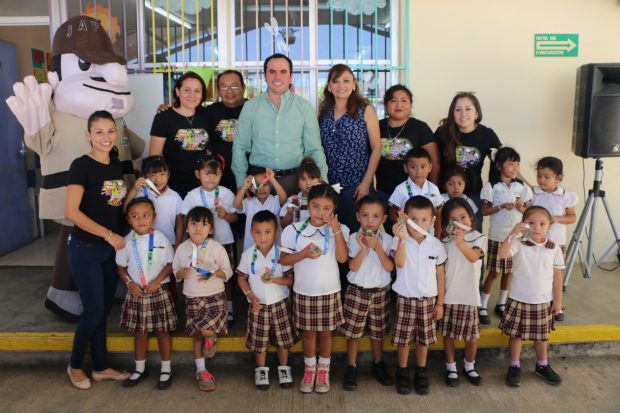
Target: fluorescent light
[{"x": 171, "y": 16}]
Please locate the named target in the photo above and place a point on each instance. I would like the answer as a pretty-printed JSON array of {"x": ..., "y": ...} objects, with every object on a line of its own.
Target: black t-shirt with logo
[
  {"x": 104, "y": 193},
  {"x": 222, "y": 127},
  {"x": 470, "y": 154},
  {"x": 186, "y": 141},
  {"x": 395, "y": 143}
]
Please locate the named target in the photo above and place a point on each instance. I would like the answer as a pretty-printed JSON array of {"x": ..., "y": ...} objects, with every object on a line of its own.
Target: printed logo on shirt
[
  {"x": 115, "y": 191},
  {"x": 192, "y": 139},
  {"x": 467, "y": 156},
  {"x": 395, "y": 149},
  {"x": 227, "y": 128}
]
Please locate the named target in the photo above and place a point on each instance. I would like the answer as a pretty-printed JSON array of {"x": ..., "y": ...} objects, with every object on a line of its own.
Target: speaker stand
[{"x": 589, "y": 213}]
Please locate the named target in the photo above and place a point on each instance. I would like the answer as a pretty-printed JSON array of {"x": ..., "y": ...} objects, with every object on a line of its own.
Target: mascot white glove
[{"x": 31, "y": 104}]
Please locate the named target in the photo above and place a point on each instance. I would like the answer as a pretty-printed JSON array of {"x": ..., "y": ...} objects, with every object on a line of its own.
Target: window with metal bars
[{"x": 170, "y": 36}]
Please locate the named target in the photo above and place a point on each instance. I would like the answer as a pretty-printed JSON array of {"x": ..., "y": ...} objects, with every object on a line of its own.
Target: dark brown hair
[
  {"x": 355, "y": 99},
  {"x": 179, "y": 84},
  {"x": 448, "y": 129},
  {"x": 454, "y": 203},
  {"x": 309, "y": 167}
]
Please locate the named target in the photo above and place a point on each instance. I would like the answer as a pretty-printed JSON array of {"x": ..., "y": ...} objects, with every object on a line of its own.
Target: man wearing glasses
[{"x": 277, "y": 129}]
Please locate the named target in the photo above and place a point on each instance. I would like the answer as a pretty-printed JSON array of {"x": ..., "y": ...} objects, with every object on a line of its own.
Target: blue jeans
[{"x": 94, "y": 270}]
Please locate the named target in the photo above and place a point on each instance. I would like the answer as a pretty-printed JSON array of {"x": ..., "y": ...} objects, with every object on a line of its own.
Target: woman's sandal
[
  {"x": 116, "y": 375},
  {"x": 83, "y": 384}
]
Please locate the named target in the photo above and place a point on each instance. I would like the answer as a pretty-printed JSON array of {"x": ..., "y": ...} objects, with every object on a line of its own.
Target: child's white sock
[
  {"x": 484, "y": 300},
  {"x": 451, "y": 366},
  {"x": 324, "y": 361},
  {"x": 140, "y": 366},
  {"x": 165, "y": 368},
  {"x": 310, "y": 361},
  {"x": 503, "y": 297},
  {"x": 200, "y": 364},
  {"x": 469, "y": 367}
]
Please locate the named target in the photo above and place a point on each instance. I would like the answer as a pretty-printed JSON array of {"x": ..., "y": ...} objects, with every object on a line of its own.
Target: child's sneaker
[
  {"x": 285, "y": 377},
  {"x": 307, "y": 383},
  {"x": 380, "y": 373},
  {"x": 350, "y": 378},
  {"x": 513, "y": 377},
  {"x": 420, "y": 381},
  {"x": 205, "y": 380},
  {"x": 548, "y": 374},
  {"x": 322, "y": 379},
  {"x": 261, "y": 378},
  {"x": 210, "y": 347},
  {"x": 403, "y": 382}
]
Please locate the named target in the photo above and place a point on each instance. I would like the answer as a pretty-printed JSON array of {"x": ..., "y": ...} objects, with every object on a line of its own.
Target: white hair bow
[{"x": 337, "y": 187}]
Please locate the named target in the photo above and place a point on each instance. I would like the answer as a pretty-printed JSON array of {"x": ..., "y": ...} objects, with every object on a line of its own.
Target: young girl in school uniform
[
  {"x": 465, "y": 248},
  {"x": 555, "y": 199},
  {"x": 296, "y": 207},
  {"x": 168, "y": 203},
  {"x": 504, "y": 198},
  {"x": 203, "y": 265},
  {"x": 219, "y": 199},
  {"x": 145, "y": 266},
  {"x": 535, "y": 292},
  {"x": 315, "y": 247}
]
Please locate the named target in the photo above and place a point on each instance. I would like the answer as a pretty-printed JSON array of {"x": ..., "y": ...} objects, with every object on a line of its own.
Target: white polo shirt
[
  {"x": 556, "y": 203},
  {"x": 313, "y": 277},
  {"x": 162, "y": 256},
  {"x": 250, "y": 207},
  {"x": 418, "y": 278},
  {"x": 401, "y": 194},
  {"x": 221, "y": 231},
  {"x": 473, "y": 206},
  {"x": 266, "y": 293},
  {"x": 502, "y": 222},
  {"x": 371, "y": 273},
  {"x": 462, "y": 275},
  {"x": 532, "y": 270},
  {"x": 167, "y": 206}
]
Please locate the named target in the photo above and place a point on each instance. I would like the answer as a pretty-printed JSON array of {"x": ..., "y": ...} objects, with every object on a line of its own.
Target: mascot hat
[{"x": 85, "y": 37}]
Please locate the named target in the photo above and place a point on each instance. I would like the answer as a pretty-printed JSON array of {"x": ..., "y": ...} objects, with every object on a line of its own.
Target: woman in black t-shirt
[
  {"x": 180, "y": 134},
  {"x": 464, "y": 142},
  {"x": 399, "y": 133},
  {"x": 223, "y": 117},
  {"x": 95, "y": 194}
]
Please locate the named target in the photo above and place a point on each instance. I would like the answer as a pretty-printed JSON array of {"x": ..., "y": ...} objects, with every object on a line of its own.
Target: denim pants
[{"x": 94, "y": 271}]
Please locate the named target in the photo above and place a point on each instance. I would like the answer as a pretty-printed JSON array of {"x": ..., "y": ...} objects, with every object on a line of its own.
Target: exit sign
[{"x": 556, "y": 45}]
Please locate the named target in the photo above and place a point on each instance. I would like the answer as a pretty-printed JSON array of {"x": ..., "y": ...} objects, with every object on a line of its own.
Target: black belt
[
  {"x": 279, "y": 173},
  {"x": 370, "y": 290}
]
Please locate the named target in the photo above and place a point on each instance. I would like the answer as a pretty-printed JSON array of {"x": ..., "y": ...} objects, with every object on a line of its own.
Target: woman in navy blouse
[{"x": 351, "y": 140}]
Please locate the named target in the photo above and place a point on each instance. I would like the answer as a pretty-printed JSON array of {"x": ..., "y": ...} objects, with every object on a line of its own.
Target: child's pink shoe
[{"x": 307, "y": 383}]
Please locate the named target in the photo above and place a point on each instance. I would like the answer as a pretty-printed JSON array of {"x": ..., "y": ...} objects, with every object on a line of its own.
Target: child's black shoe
[
  {"x": 420, "y": 381},
  {"x": 350, "y": 378},
  {"x": 548, "y": 375},
  {"x": 403, "y": 382},
  {"x": 513, "y": 377}
]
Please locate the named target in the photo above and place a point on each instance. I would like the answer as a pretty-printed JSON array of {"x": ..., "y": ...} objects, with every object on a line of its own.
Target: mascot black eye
[{"x": 84, "y": 66}]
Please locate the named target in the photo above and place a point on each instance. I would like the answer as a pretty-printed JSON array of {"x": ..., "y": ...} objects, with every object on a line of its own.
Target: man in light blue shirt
[{"x": 277, "y": 129}]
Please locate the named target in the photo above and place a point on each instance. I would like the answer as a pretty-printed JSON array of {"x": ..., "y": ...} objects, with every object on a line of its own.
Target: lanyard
[
  {"x": 205, "y": 275},
  {"x": 216, "y": 201},
  {"x": 274, "y": 264},
  {"x": 325, "y": 235},
  {"x": 410, "y": 191},
  {"x": 149, "y": 259}
]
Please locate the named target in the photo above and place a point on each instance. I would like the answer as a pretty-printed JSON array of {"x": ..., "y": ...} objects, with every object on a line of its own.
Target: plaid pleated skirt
[
  {"x": 206, "y": 313},
  {"x": 317, "y": 313},
  {"x": 149, "y": 313},
  {"x": 271, "y": 325},
  {"x": 527, "y": 321},
  {"x": 494, "y": 263},
  {"x": 460, "y": 322}
]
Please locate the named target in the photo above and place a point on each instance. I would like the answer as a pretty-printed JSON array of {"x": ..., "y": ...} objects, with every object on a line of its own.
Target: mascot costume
[{"x": 86, "y": 76}]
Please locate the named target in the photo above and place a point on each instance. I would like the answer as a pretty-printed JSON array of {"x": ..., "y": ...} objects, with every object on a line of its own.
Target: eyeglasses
[{"x": 234, "y": 86}]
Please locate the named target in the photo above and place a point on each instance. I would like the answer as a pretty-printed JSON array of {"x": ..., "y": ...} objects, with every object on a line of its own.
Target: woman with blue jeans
[
  {"x": 95, "y": 194},
  {"x": 350, "y": 138}
]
